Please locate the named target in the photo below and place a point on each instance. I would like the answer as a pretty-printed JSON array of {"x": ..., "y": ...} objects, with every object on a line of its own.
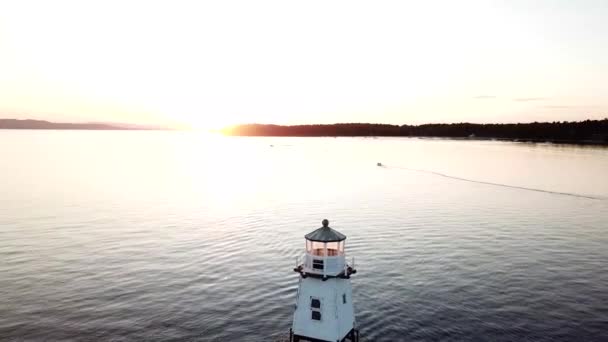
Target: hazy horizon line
[{"x": 124, "y": 125}]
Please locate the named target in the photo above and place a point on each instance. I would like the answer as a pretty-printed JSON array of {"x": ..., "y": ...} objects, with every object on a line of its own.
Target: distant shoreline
[
  {"x": 48, "y": 125},
  {"x": 588, "y": 132},
  {"x": 74, "y": 129}
]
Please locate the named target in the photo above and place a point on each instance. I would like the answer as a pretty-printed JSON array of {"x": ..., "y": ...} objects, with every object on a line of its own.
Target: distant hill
[
  {"x": 41, "y": 124},
  {"x": 588, "y": 131}
]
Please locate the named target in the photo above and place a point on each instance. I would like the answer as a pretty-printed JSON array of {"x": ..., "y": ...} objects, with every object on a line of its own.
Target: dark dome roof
[{"x": 325, "y": 234}]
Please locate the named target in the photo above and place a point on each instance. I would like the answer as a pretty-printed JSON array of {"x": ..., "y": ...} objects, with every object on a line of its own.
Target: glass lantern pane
[
  {"x": 318, "y": 248},
  {"x": 332, "y": 248}
]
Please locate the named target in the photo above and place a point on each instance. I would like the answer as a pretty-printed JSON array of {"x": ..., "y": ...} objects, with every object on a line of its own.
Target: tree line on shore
[{"x": 588, "y": 130}]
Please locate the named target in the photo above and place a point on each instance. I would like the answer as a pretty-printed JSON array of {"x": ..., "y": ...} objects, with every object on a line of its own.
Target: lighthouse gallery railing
[{"x": 324, "y": 265}]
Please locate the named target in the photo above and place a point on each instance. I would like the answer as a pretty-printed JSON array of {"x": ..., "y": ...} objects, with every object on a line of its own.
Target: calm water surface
[{"x": 172, "y": 236}]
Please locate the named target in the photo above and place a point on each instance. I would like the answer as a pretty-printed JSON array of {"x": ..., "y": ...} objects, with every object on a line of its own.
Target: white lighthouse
[{"x": 324, "y": 303}]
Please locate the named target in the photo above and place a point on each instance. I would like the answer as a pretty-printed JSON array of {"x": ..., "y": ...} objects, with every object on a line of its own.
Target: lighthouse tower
[{"x": 324, "y": 303}]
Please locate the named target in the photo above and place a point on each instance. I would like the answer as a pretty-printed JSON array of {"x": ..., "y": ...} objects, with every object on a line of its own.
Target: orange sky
[{"x": 209, "y": 64}]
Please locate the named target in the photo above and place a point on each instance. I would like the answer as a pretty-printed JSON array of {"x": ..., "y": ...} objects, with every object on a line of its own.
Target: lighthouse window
[
  {"x": 317, "y": 264},
  {"x": 315, "y": 306},
  {"x": 344, "y": 298}
]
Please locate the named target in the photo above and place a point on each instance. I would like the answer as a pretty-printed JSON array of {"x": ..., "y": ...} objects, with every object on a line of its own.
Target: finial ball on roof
[{"x": 325, "y": 234}]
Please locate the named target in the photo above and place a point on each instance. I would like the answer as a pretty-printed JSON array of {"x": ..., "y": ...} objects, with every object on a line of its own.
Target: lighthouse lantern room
[{"x": 324, "y": 306}]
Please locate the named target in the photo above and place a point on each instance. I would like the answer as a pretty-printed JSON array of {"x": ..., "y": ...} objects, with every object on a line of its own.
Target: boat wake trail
[{"x": 496, "y": 184}]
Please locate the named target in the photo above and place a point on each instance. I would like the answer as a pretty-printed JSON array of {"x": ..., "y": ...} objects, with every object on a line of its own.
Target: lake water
[{"x": 175, "y": 236}]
